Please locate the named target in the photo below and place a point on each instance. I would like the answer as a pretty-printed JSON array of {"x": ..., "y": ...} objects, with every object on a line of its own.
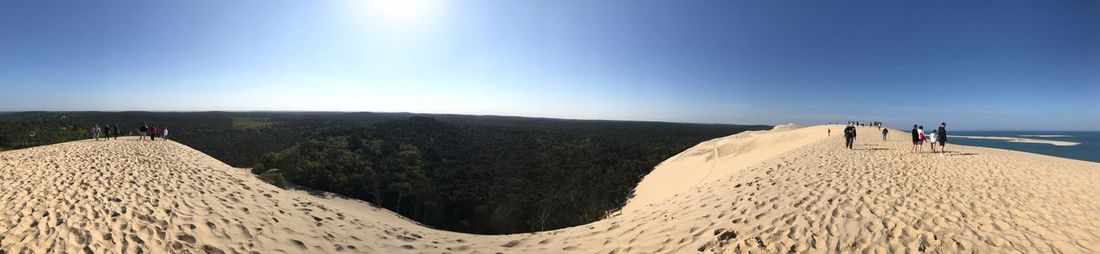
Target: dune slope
[
  {"x": 718, "y": 158},
  {"x": 814, "y": 197}
]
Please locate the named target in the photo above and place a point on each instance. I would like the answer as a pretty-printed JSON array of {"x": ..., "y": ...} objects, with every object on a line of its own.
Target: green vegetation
[
  {"x": 274, "y": 178},
  {"x": 479, "y": 174},
  {"x": 247, "y": 123}
]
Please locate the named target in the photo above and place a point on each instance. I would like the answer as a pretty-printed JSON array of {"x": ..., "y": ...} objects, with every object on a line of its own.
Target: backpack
[{"x": 922, "y": 136}]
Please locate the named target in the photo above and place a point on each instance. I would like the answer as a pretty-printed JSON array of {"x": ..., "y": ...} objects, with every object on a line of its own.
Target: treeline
[
  {"x": 210, "y": 132},
  {"x": 477, "y": 174}
]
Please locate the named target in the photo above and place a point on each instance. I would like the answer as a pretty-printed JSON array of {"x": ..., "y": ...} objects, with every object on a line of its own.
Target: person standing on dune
[
  {"x": 884, "y": 132},
  {"x": 916, "y": 138},
  {"x": 942, "y": 136},
  {"x": 849, "y": 136},
  {"x": 95, "y": 132},
  {"x": 117, "y": 131},
  {"x": 153, "y": 133},
  {"x": 142, "y": 130},
  {"x": 920, "y": 140},
  {"x": 106, "y": 132},
  {"x": 933, "y": 138},
  {"x": 164, "y": 134}
]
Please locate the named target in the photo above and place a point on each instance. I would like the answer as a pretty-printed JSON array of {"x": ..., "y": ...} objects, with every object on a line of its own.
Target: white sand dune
[
  {"x": 717, "y": 159},
  {"x": 811, "y": 197}
]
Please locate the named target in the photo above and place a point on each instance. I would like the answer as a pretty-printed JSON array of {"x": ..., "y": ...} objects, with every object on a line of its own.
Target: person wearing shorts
[
  {"x": 916, "y": 138},
  {"x": 920, "y": 138},
  {"x": 933, "y": 139},
  {"x": 141, "y": 131}
]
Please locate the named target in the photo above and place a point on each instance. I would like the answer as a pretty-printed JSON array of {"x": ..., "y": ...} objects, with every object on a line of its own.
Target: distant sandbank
[
  {"x": 1023, "y": 140},
  {"x": 1047, "y": 136}
]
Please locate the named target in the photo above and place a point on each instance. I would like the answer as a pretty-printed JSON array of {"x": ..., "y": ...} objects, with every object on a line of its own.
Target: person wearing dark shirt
[
  {"x": 942, "y": 136},
  {"x": 884, "y": 132},
  {"x": 916, "y": 139},
  {"x": 141, "y": 131},
  {"x": 849, "y": 136}
]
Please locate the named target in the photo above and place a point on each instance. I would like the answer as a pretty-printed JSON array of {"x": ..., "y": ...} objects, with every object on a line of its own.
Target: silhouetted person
[
  {"x": 916, "y": 138},
  {"x": 884, "y": 132},
  {"x": 849, "y": 136},
  {"x": 942, "y": 137}
]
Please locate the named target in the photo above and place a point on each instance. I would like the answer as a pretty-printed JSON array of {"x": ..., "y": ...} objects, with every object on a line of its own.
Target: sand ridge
[
  {"x": 815, "y": 198},
  {"x": 718, "y": 158}
]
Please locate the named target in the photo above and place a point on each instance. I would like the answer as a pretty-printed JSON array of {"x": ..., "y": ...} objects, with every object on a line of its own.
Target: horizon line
[{"x": 382, "y": 112}]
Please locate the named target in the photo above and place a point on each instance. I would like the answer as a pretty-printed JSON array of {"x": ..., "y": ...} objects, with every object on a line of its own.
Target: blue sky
[{"x": 977, "y": 65}]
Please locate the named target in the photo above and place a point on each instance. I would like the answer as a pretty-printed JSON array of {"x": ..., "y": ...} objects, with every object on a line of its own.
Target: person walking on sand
[
  {"x": 942, "y": 136},
  {"x": 916, "y": 139},
  {"x": 107, "y": 132},
  {"x": 920, "y": 142},
  {"x": 849, "y": 136},
  {"x": 884, "y": 132},
  {"x": 118, "y": 131},
  {"x": 95, "y": 132},
  {"x": 142, "y": 130},
  {"x": 932, "y": 137},
  {"x": 830, "y": 133},
  {"x": 153, "y": 133},
  {"x": 164, "y": 134}
]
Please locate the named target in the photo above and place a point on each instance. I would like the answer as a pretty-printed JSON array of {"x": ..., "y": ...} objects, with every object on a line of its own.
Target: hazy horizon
[{"x": 1013, "y": 65}]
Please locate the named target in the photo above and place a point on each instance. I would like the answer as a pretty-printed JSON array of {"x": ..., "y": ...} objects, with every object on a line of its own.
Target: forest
[{"x": 475, "y": 174}]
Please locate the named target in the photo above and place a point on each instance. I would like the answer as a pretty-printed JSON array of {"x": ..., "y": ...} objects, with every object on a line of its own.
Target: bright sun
[{"x": 403, "y": 13}]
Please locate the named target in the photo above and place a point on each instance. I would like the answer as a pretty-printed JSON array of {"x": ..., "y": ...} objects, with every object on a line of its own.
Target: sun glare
[{"x": 403, "y": 14}]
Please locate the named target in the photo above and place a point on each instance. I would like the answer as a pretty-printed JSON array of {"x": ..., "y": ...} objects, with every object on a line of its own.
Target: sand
[
  {"x": 814, "y": 197},
  {"x": 718, "y": 158},
  {"x": 1024, "y": 140}
]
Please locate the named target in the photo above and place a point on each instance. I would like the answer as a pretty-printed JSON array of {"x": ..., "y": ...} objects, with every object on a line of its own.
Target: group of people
[
  {"x": 152, "y": 131},
  {"x": 860, "y": 124},
  {"x": 106, "y": 132},
  {"x": 109, "y": 131},
  {"x": 938, "y": 136}
]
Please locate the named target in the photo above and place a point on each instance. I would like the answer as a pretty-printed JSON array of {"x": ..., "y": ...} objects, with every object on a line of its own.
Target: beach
[{"x": 790, "y": 189}]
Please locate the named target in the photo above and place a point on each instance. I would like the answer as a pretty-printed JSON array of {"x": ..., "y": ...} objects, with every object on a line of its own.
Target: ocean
[{"x": 1088, "y": 148}]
